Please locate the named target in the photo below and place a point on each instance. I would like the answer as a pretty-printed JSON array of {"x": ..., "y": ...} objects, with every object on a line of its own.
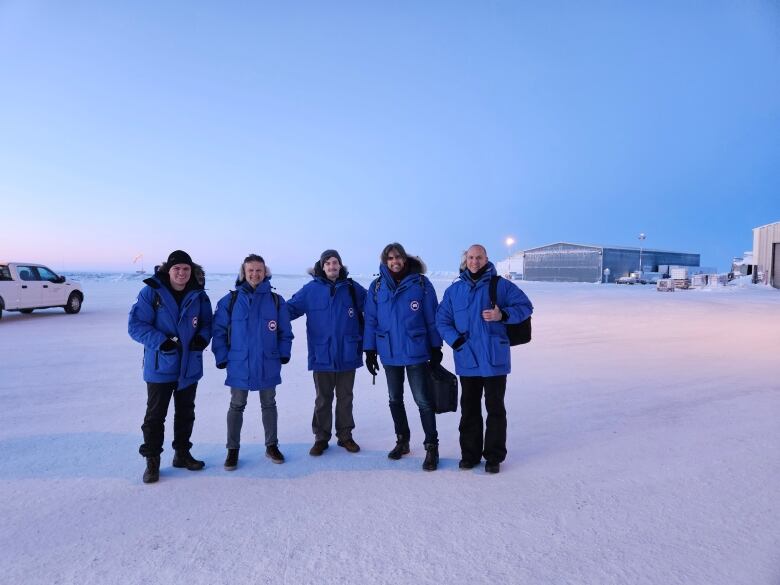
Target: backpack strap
[
  {"x": 352, "y": 293},
  {"x": 233, "y": 297},
  {"x": 493, "y": 290}
]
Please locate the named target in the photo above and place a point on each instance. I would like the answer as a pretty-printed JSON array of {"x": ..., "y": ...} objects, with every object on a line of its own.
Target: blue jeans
[
  {"x": 418, "y": 382},
  {"x": 235, "y": 416}
]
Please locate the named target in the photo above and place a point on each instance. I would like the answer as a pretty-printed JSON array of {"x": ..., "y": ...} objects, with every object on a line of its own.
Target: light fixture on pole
[
  {"x": 642, "y": 237},
  {"x": 509, "y": 242}
]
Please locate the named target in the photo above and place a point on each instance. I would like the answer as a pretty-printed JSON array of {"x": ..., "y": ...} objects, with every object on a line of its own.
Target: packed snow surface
[{"x": 644, "y": 448}]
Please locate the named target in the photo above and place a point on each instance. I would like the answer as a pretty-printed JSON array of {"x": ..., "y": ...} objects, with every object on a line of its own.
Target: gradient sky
[{"x": 287, "y": 128}]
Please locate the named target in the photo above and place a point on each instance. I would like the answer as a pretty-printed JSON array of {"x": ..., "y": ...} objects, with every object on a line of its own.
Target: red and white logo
[
  {"x": 351, "y": 312},
  {"x": 414, "y": 305},
  {"x": 272, "y": 326},
  {"x": 194, "y": 322}
]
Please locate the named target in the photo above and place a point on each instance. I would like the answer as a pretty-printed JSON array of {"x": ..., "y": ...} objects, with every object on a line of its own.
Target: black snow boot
[
  {"x": 231, "y": 461},
  {"x": 184, "y": 459},
  {"x": 492, "y": 466},
  {"x": 431, "y": 457},
  {"x": 401, "y": 447},
  {"x": 152, "y": 472},
  {"x": 273, "y": 453}
]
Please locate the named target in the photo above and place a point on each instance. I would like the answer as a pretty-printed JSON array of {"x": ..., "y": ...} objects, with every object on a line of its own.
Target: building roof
[
  {"x": 601, "y": 247},
  {"x": 767, "y": 225}
]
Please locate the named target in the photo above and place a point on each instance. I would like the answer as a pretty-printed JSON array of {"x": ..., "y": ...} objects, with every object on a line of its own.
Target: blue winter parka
[
  {"x": 252, "y": 336},
  {"x": 156, "y": 317},
  {"x": 486, "y": 350},
  {"x": 401, "y": 318},
  {"x": 333, "y": 322}
]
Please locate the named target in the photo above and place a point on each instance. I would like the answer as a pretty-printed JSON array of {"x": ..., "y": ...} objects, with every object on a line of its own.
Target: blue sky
[{"x": 288, "y": 128}]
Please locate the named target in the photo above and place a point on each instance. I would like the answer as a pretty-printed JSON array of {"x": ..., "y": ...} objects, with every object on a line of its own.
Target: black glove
[
  {"x": 284, "y": 360},
  {"x": 168, "y": 345},
  {"x": 436, "y": 356},
  {"x": 198, "y": 343},
  {"x": 372, "y": 365},
  {"x": 459, "y": 342},
  {"x": 222, "y": 366}
]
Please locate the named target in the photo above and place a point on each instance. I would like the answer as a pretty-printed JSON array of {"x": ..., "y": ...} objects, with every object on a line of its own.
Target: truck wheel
[
  {"x": 26, "y": 311},
  {"x": 74, "y": 303}
]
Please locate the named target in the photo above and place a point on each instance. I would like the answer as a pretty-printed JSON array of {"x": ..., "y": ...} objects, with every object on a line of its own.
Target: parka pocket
[
  {"x": 417, "y": 343},
  {"x": 272, "y": 366},
  {"x": 238, "y": 331},
  {"x": 461, "y": 319},
  {"x": 321, "y": 351},
  {"x": 499, "y": 350},
  {"x": 195, "y": 365},
  {"x": 352, "y": 347},
  {"x": 383, "y": 345},
  {"x": 465, "y": 356},
  {"x": 167, "y": 362}
]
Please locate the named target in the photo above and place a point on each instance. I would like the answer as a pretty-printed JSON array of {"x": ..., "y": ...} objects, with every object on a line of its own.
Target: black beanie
[
  {"x": 327, "y": 254},
  {"x": 178, "y": 257}
]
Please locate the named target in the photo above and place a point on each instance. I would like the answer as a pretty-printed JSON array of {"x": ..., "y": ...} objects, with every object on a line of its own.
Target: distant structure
[
  {"x": 743, "y": 266},
  {"x": 511, "y": 267},
  {"x": 566, "y": 262},
  {"x": 766, "y": 253}
]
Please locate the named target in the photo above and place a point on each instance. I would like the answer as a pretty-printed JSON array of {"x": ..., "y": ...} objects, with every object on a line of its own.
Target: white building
[
  {"x": 766, "y": 253},
  {"x": 511, "y": 266}
]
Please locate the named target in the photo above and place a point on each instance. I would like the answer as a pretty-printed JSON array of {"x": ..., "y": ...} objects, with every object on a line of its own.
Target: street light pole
[
  {"x": 509, "y": 241},
  {"x": 642, "y": 238}
]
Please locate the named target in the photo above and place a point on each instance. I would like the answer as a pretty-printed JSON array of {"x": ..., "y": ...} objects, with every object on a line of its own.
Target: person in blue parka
[
  {"x": 333, "y": 305},
  {"x": 252, "y": 339},
  {"x": 172, "y": 319},
  {"x": 401, "y": 328},
  {"x": 476, "y": 331}
]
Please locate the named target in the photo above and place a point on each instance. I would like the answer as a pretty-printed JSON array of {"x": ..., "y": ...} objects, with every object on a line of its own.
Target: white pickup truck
[{"x": 25, "y": 287}]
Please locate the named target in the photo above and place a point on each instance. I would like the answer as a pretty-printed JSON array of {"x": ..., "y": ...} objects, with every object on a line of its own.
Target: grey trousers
[
  {"x": 235, "y": 416},
  {"x": 325, "y": 383}
]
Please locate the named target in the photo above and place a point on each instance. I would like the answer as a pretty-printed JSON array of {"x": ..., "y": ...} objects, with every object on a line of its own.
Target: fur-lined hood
[
  {"x": 197, "y": 279},
  {"x": 317, "y": 272},
  {"x": 241, "y": 278},
  {"x": 416, "y": 265}
]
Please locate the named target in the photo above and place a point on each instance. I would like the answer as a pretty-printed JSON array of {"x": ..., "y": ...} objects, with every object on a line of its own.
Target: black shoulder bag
[{"x": 518, "y": 333}]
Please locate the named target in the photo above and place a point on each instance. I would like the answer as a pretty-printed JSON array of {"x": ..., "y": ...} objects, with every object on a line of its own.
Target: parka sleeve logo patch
[
  {"x": 194, "y": 322},
  {"x": 272, "y": 326},
  {"x": 351, "y": 312},
  {"x": 414, "y": 305}
]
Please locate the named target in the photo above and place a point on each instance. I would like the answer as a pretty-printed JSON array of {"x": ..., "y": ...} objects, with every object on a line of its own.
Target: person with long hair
[{"x": 401, "y": 330}]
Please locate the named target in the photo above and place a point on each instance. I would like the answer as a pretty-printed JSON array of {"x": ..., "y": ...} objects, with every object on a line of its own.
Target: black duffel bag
[
  {"x": 442, "y": 389},
  {"x": 518, "y": 333}
]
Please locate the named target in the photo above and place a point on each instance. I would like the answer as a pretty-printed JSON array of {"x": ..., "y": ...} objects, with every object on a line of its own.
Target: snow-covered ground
[{"x": 644, "y": 448}]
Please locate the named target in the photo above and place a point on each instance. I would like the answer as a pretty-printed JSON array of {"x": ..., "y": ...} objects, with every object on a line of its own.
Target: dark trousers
[
  {"x": 418, "y": 382},
  {"x": 325, "y": 383},
  {"x": 472, "y": 446},
  {"x": 158, "y": 399}
]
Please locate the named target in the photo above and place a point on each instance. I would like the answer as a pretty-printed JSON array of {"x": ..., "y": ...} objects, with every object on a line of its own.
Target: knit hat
[
  {"x": 178, "y": 257},
  {"x": 327, "y": 254}
]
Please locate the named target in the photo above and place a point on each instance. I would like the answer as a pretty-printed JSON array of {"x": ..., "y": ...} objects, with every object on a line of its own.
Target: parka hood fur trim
[
  {"x": 416, "y": 265},
  {"x": 241, "y": 278},
  {"x": 197, "y": 280},
  {"x": 317, "y": 271}
]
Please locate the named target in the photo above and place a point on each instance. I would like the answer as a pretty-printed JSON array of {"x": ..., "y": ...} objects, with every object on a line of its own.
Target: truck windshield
[{"x": 5, "y": 274}]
